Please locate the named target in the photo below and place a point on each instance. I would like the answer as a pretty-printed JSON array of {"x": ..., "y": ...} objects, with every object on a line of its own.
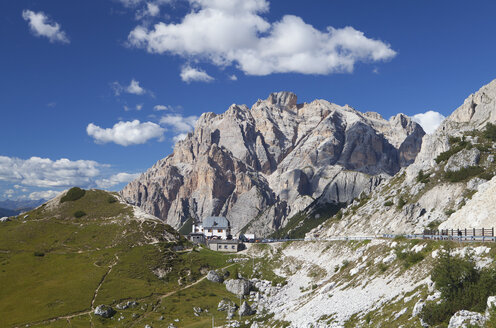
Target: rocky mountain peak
[
  {"x": 283, "y": 99},
  {"x": 260, "y": 166}
]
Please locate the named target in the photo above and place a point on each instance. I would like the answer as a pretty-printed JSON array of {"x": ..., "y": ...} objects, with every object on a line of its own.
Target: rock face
[
  {"x": 421, "y": 195},
  {"x": 263, "y": 165},
  {"x": 239, "y": 287},
  {"x": 463, "y": 160}
]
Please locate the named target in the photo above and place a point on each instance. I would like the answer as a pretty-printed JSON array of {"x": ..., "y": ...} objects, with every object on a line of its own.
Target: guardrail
[{"x": 446, "y": 237}]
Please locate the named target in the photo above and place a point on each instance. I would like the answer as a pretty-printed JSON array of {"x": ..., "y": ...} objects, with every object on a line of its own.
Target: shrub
[
  {"x": 401, "y": 203},
  {"x": 388, "y": 203},
  {"x": 490, "y": 132},
  {"x": 453, "y": 150},
  {"x": 111, "y": 199},
  {"x": 422, "y": 177},
  {"x": 486, "y": 175},
  {"x": 462, "y": 286},
  {"x": 409, "y": 258},
  {"x": 79, "y": 214},
  {"x": 464, "y": 174},
  {"x": 73, "y": 194},
  {"x": 453, "y": 140},
  {"x": 39, "y": 254}
]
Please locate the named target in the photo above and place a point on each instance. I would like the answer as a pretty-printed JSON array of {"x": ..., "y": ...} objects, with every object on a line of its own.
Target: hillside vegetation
[{"x": 56, "y": 268}]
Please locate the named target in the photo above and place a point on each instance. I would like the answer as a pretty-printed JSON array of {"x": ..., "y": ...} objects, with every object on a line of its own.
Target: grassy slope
[{"x": 77, "y": 255}]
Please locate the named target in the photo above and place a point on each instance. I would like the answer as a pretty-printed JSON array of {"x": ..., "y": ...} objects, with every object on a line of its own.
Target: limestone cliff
[
  {"x": 265, "y": 163},
  {"x": 454, "y": 163}
]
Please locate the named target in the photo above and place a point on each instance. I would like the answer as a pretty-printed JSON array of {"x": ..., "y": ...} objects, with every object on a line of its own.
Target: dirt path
[
  {"x": 89, "y": 312},
  {"x": 84, "y": 312},
  {"x": 95, "y": 294}
]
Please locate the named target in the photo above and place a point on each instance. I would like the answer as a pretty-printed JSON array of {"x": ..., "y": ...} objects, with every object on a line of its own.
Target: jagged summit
[
  {"x": 284, "y": 99},
  {"x": 259, "y": 166}
]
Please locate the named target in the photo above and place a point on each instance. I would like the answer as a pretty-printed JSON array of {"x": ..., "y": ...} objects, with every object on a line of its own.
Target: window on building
[
  {"x": 233, "y": 247},
  {"x": 209, "y": 230},
  {"x": 225, "y": 246},
  {"x": 220, "y": 230}
]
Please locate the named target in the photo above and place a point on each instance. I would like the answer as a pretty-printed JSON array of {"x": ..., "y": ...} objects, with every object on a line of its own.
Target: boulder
[
  {"x": 4, "y": 219},
  {"x": 125, "y": 305},
  {"x": 104, "y": 311},
  {"x": 463, "y": 160},
  {"x": 465, "y": 319},
  {"x": 225, "y": 304},
  {"x": 240, "y": 287},
  {"x": 214, "y": 276},
  {"x": 245, "y": 309}
]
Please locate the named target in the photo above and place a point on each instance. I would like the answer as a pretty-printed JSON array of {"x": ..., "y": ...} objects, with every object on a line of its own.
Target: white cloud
[
  {"x": 139, "y": 107},
  {"x": 41, "y": 25},
  {"x": 179, "y": 123},
  {"x": 150, "y": 10},
  {"x": 116, "y": 179},
  {"x": 190, "y": 74},
  {"x": 134, "y": 3},
  {"x": 126, "y": 133},
  {"x": 43, "y": 172},
  {"x": 162, "y": 107},
  {"x": 233, "y": 77},
  {"x": 179, "y": 137},
  {"x": 234, "y": 33},
  {"x": 45, "y": 194},
  {"x": 429, "y": 120},
  {"x": 133, "y": 88}
]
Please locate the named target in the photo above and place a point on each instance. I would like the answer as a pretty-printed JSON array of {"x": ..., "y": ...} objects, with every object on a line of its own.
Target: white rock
[{"x": 463, "y": 318}]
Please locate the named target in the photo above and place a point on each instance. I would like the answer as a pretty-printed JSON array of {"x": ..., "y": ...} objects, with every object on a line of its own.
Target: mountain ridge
[{"x": 272, "y": 160}]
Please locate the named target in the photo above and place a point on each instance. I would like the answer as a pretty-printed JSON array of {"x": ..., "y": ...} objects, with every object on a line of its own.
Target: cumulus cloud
[
  {"x": 190, "y": 74},
  {"x": 116, "y": 179},
  {"x": 235, "y": 33},
  {"x": 429, "y": 120},
  {"x": 41, "y": 25},
  {"x": 233, "y": 77},
  {"x": 44, "y": 172},
  {"x": 162, "y": 107},
  {"x": 133, "y": 88},
  {"x": 45, "y": 194},
  {"x": 150, "y": 10},
  {"x": 126, "y": 133},
  {"x": 134, "y": 3},
  {"x": 179, "y": 123}
]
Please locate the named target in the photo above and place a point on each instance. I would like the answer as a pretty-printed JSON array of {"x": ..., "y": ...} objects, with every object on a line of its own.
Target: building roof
[{"x": 215, "y": 222}]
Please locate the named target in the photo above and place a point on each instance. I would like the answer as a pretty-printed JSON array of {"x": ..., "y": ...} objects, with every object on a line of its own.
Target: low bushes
[
  {"x": 79, "y": 214},
  {"x": 462, "y": 286},
  {"x": 73, "y": 194},
  {"x": 464, "y": 174}
]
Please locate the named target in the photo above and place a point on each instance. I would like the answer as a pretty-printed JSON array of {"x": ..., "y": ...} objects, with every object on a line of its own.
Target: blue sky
[{"x": 94, "y": 92}]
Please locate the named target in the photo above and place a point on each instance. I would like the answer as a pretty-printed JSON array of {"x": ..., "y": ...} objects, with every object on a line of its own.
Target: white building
[{"x": 213, "y": 226}]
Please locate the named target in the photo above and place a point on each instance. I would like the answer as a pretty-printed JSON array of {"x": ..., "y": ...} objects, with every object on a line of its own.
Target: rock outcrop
[
  {"x": 438, "y": 188},
  {"x": 265, "y": 164},
  {"x": 239, "y": 287},
  {"x": 214, "y": 276},
  {"x": 104, "y": 311}
]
